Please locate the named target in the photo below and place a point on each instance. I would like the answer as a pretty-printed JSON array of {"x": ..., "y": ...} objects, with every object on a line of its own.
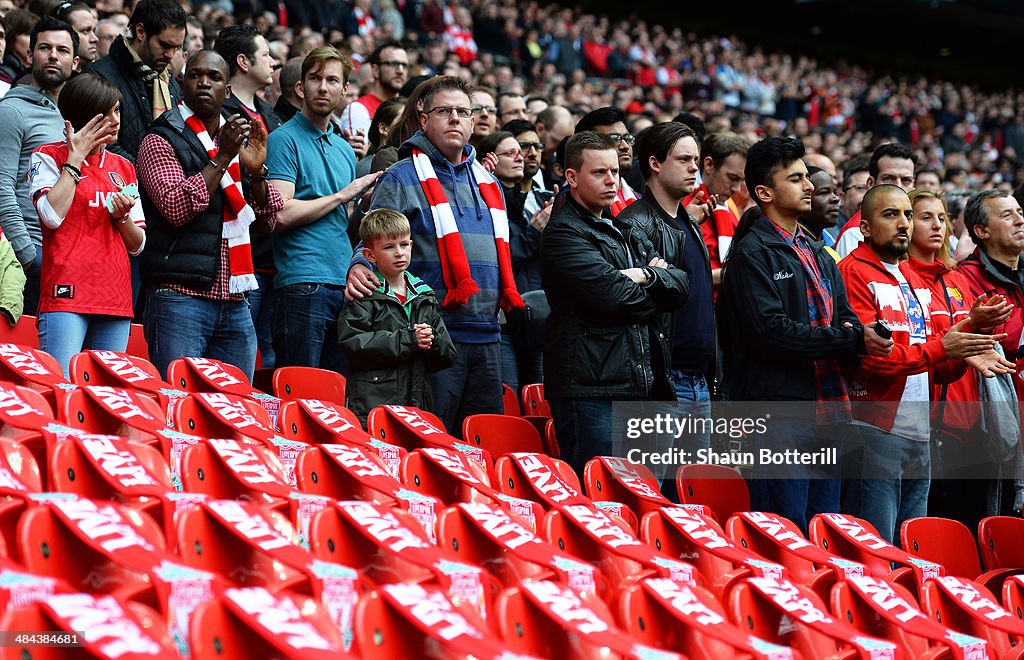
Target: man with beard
[
  {"x": 610, "y": 121},
  {"x": 30, "y": 118},
  {"x": 893, "y": 458},
  {"x": 139, "y": 67},
  {"x": 83, "y": 21},
  {"x": 203, "y": 184},
  {"x": 389, "y": 65},
  {"x": 314, "y": 170},
  {"x": 824, "y": 207}
]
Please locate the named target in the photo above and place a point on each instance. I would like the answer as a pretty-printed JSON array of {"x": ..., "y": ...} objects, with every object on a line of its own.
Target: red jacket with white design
[
  {"x": 875, "y": 295},
  {"x": 951, "y": 303}
]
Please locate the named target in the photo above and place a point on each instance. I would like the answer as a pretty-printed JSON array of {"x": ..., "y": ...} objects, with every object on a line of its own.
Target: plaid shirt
[
  {"x": 180, "y": 199},
  {"x": 833, "y": 397}
]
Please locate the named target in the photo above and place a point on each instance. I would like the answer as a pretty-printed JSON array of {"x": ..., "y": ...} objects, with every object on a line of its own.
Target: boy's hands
[{"x": 424, "y": 336}]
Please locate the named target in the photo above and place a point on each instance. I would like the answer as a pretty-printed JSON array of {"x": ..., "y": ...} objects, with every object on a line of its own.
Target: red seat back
[
  {"x": 717, "y": 487},
  {"x": 1001, "y": 539},
  {"x": 943, "y": 541},
  {"x": 501, "y": 434},
  {"x": 510, "y": 401},
  {"x": 971, "y": 609},
  {"x": 534, "y": 402},
  {"x": 292, "y": 383},
  {"x": 613, "y": 479}
]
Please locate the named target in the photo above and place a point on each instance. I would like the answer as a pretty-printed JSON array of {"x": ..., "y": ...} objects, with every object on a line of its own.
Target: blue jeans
[
  {"x": 305, "y": 326},
  {"x": 62, "y": 334},
  {"x": 584, "y": 430},
  {"x": 895, "y": 480},
  {"x": 520, "y": 367},
  {"x": 179, "y": 325},
  {"x": 692, "y": 392},
  {"x": 259, "y": 305},
  {"x": 789, "y": 490},
  {"x": 472, "y": 385}
]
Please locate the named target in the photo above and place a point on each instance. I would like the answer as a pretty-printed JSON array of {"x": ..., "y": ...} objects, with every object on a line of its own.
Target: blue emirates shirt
[{"x": 319, "y": 164}]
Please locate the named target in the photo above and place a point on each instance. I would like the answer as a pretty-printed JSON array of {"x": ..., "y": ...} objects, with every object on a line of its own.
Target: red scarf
[
  {"x": 238, "y": 215},
  {"x": 623, "y": 198},
  {"x": 454, "y": 264}
]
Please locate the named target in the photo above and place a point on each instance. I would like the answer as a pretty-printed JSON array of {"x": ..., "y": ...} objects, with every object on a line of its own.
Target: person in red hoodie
[
  {"x": 958, "y": 458},
  {"x": 894, "y": 457}
]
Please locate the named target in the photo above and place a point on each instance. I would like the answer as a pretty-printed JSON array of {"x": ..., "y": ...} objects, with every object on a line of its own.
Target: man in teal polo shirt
[{"x": 314, "y": 169}]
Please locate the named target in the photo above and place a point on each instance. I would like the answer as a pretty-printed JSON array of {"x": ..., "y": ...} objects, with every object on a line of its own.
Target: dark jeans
[
  {"x": 305, "y": 326},
  {"x": 179, "y": 325},
  {"x": 472, "y": 385},
  {"x": 520, "y": 367},
  {"x": 584, "y": 430},
  {"x": 790, "y": 490},
  {"x": 260, "y": 304},
  {"x": 31, "y": 292}
]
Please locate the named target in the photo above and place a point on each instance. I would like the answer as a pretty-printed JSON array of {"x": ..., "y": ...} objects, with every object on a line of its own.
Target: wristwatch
[{"x": 261, "y": 175}]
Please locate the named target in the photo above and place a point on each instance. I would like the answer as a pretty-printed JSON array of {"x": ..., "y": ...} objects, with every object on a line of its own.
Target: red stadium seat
[
  {"x": 254, "y": 623},
  {"x": 124, "y": 370},
  {"x": 137, "y": 345},
  {"x": 613, "y": 479},
  {"x": 309, "y": 383},
  {"x": 540, "y": 478},
  {"x": 482, "y": 535},
  {"x": 107, "y": 467},
  {"x": 950, "y": 543},
  {"x": 407, "y": 427},
  {"x": 586, "y": 532},
  {"x": 252, "y": 547},
  {"x": 534, "y": 402},
  {"x": 550, "y": 620},
  {"x": 971, "y": 609},
  {"x": 34, "y": 369},
  {"x": 389, "y": 548},
  {"x": 886, "y": 611},
  {"x": 1001, "y": 539},
  {"x": 510, "y": 401},
  {"x": 718, "y": 487},
  {"x": 24, "y": 333},
  {"x": 447, "y": 475},
  {"x": 689, "y": 620},
  {"x": 686, "y": 535},
  {"x": 116, "y": 630},
  {"x": 501, "y": 434},
  {"x": 231, "y": 469},
  {"x": 114, "y": 411},
  {"x": 787, "y": 614},
  {"x": 551, "y": 447},
  {"x": 196, "y": 375},
  {"x": 778, "y": 539},
  {"x": 418, "y": 621}
]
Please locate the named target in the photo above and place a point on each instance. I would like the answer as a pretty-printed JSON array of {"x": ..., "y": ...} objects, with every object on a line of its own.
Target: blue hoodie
[{"x": 399, "y": 188}]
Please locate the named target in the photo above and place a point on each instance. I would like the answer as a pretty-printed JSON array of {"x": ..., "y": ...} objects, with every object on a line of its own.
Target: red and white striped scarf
[
  {"x": 238, "y": 215},
  {"x": 623, "y": 198},
  {"x": 454, "y": 264},
  {"x": 365, "y": 22}
]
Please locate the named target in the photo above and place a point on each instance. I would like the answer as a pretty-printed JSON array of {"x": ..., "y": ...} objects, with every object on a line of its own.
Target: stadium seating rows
[{"x": 204, "y": 517}]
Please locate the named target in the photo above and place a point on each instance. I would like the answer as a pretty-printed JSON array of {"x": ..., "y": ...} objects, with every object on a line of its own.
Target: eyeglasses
[
  {"x": 627, "y": 138},
  {"x": 476, "y": 107},
  {"x": 447, "y": 110},
  {"x": 394, "y": 65},
  {"x": 511, "y": 153},
  {"x": 536, "y": 146}
]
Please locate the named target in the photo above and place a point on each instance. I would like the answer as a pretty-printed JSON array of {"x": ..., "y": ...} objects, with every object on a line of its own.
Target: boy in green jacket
[{"x": 394, "y": 336}]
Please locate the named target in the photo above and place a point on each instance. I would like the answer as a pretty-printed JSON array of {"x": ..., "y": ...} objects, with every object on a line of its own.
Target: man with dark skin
[
  {"x": 195, "y": 304},
  {"x": 825, "y": 203}
]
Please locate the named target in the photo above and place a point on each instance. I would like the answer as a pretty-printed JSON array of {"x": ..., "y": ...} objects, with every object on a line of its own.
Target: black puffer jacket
[
  {"x": 603, "y": 336},
  {"x": 385, "y": 364},
  {"x": 118, "y": 68}
]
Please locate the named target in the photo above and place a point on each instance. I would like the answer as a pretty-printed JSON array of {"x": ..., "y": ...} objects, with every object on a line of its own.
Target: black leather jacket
[{"x": 604, "y": 339}]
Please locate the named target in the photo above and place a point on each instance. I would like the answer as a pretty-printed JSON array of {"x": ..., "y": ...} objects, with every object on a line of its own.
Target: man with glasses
[
  {"x": 892, "y": 164},
  {"x": 854, "y": 185},
  {"x": 485, "y": 114},
  {"x": 460, "y": 247},
  {"x": 610, "y": 121},
  {"x": 389, "y": 65},
  {"x": 511, "y": 107}
]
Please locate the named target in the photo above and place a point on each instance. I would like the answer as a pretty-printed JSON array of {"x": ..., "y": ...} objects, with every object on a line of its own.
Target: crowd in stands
[{"x": 302, "y": 178}]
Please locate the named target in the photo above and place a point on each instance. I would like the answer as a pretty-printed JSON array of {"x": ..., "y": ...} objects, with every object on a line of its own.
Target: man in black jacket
[
  {"x": 607, "y": 288},
  {"x": 785, "y": 326},
  {"x": 138, "y": 67},
  {"x": 669, "y": 158},
  {"x": 251, "y": 66}
]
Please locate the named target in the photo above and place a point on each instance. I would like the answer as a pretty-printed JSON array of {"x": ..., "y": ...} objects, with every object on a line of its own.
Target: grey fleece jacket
[{"x": 29, "y": 118}]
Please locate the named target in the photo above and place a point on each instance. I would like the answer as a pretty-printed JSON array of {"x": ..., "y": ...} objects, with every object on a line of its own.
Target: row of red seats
[{"x": 562, "y": 526}]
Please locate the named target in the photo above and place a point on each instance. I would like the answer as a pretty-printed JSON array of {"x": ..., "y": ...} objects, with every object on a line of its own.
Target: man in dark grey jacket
[
  {"x": 138, "y": 67},
  {"x": 607, "y": 288},
  {"x": 30, "y": 118}
]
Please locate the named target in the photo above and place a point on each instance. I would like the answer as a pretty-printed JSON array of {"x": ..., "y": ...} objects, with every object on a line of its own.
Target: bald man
[{"x": 894, "y": 426}]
